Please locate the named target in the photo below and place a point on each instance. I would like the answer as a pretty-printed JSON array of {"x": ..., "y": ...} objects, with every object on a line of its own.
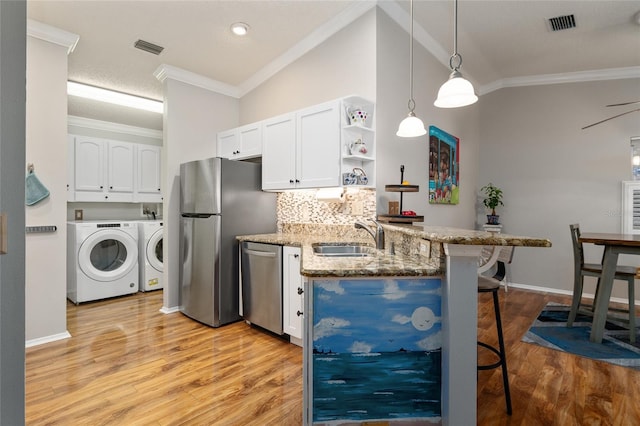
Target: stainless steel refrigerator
[{"x": 219, "y": 199}]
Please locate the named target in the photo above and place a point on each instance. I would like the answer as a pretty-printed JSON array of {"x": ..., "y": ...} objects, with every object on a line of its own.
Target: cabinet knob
[
  {"x": 297, "y": 180},
  {"x": 106, "y": 197},
  {"x": 299, "y": 313},
  {"x": 111, "y": 187},
  {"x": 158, "y": 189},
  {"x": 290, "y": 180},
  {"x": 101, "y": 186},
  {"x": 300, "y": 290},
  {"x": 295, "y": 256}
]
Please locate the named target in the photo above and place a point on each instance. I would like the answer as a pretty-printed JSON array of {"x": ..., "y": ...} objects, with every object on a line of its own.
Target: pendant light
[
  {"x": 457, "y": 91},
  {"x": 411, "y": 126}
]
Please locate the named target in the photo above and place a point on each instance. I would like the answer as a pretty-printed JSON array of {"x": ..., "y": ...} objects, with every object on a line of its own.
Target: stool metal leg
[
  {"x": 500, "y": 352},
  {"x": 503, "y": 352}
]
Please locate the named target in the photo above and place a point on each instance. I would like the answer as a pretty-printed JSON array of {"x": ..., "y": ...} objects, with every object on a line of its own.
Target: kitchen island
[{"x": 424, "y": 280}]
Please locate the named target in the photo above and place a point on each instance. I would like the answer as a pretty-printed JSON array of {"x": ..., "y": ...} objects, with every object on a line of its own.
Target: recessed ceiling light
[{"x": 240, "y": 28}]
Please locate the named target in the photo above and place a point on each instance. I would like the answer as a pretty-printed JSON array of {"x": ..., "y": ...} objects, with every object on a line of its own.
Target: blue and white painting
[{"x": 377, "y": 350}]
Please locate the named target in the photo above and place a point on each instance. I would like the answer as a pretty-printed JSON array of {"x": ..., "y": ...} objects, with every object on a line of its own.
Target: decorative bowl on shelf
[{"x": 357, "y": 117}]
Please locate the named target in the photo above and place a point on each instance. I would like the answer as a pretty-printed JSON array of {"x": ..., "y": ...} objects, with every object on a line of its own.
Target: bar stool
[{"x": 492, "y": 285}]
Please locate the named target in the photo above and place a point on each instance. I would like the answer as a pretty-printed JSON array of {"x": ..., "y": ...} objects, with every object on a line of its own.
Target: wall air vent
[
  {"x": 148, "y": 47},
  {"x": 562, "y": 22}
]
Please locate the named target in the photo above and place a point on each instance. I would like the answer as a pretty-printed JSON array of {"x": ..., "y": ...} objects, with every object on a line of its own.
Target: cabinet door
[
  {"x": 318, "y": 149},
  {"x": 149, "y": 188},
  {"x": 121, "y": 166},
  {"x": 279, "y": 152},
  {"x": 228, "y": 143},
  {"x": 89, "y": 163},
  {"x": 292, "y": 292},
  {"x": 250, "y": 141}
]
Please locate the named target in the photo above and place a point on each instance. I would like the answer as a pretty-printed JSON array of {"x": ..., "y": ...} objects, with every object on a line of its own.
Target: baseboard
[
  {"x": 171, "y": 310},
  {"x": 565, "y": 292},
  {"x": 47, "y": 339}
]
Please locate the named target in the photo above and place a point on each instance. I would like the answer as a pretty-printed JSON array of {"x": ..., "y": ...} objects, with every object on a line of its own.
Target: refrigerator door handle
[{"x": 260, "y": 253}]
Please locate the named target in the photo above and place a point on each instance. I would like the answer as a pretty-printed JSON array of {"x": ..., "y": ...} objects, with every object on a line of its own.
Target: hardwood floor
[{"x": 129, "y": 364}]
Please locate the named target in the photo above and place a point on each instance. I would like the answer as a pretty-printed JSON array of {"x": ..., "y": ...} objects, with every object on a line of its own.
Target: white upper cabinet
[
  {"x": 240, "y": 143},
  {"x": 318, "y": 146},
  {"x": 302, "y": 149},
  {"x": 279, "y": 152},
  {"x": 107, "y": 170},
  {"x": 89, "y": 165},
  {"x": 121, "y": 168},
  {"x": 149, "y": 177}
]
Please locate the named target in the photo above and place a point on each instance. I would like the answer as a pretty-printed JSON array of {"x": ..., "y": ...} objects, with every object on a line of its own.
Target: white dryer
[
  {"x": 102, "y": 259},
  {"x": 150, "y": 254}
]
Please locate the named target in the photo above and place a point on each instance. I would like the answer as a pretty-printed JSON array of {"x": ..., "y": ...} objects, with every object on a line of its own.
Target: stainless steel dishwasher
[{"x": 262, "y": 285}]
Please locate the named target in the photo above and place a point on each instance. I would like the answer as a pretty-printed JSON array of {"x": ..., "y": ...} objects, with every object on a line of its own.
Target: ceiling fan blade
[
  {"x": 624, "y": 103},
  {"x": 611, "y": 118}
]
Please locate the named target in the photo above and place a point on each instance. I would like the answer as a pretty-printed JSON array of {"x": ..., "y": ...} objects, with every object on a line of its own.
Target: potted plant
[{"x": 492, "y": 199}]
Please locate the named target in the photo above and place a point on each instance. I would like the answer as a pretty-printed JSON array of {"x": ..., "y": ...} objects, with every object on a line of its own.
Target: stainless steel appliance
[
  {"x": 219, "y": 199},
  {"x": 262, "y": 285}
]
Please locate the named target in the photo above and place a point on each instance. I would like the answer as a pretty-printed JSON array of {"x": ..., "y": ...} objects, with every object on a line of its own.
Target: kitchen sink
[{"x": 343, "y": 250}]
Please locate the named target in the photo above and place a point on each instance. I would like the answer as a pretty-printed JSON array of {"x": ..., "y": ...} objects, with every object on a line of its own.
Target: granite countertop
[
  {"x": 446, "y": 235},
  {"x": 382, "y": 263}
]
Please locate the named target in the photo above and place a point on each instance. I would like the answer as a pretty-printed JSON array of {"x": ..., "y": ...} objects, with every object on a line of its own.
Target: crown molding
[
  {"x": 108, "y": 126},
  {"x": 165, "y": 71},
  {"x": 313, "y": 40},
  {"x": 569, "y": 77},
  {"x": 52, "y": 35}
]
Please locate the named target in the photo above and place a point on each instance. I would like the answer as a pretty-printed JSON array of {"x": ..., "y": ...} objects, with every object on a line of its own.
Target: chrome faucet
[{"x": 378, "y": 235}]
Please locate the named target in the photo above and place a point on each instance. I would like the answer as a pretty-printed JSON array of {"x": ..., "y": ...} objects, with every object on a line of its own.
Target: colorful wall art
[
  {"x": 377, "y": 351},
  {"x": 444, "y": 162}
]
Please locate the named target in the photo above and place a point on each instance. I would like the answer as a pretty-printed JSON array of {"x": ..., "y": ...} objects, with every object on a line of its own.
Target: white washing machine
[
  {"x": 102, "y": 259},
  {"x": 150, "y": 254}
]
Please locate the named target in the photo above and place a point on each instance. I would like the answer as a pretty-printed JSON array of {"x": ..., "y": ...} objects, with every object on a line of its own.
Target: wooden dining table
[{"x": 614, "y": 245}]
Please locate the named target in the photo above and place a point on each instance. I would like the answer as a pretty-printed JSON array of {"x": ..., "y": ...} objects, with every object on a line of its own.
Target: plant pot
[{"x": 493, "y": 219}]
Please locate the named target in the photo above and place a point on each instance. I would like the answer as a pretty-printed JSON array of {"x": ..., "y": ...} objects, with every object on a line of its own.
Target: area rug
[{"x": 550, "y": 330}]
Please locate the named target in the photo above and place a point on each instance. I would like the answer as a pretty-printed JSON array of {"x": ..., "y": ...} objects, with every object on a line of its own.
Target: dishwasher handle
[{"x": 260, "y": 253}]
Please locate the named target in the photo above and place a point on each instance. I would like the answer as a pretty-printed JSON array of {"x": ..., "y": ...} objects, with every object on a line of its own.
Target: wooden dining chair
[{"x": 582, "y": 269}]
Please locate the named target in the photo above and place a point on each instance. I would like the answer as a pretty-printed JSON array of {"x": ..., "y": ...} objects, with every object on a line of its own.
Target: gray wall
[
  {"x": 343, "y": 65},
  {"x": 192, "y": 117},
  {"x": 46, "y": 149},
  {"x": 12, "y": 159},
  {"x": 553, "y": 173},
  {"x": 392, "y": 88}
]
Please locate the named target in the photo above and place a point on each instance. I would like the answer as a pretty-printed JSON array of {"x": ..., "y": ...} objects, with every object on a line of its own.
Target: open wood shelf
[
  {"x": 389, "y": 218},
  {"x": 401, "y": 188}
]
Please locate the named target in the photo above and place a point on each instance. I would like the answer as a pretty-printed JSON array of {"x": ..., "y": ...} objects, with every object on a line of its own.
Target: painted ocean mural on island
[{"x": 377, "y": 351}]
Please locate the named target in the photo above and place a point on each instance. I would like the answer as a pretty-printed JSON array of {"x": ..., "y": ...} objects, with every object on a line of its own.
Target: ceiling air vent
[
  {"x": 148, "y": 47},
  {"x": 562, "y": 22}
]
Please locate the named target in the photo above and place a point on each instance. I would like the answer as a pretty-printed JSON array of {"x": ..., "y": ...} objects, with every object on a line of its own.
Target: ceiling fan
[{"x": 616, "y": 116}]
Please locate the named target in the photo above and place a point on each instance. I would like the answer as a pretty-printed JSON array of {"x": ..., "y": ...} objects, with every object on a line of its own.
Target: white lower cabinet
[{"x": 292, "y": 303}]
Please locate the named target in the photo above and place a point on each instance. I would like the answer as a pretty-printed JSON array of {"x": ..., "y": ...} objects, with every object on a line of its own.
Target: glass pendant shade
[
  {"x": 411, "y": 127},
  {"x": 456, "y": 92}
]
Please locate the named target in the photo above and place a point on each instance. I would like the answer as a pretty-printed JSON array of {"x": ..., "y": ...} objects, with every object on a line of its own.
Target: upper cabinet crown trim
[
  {"x": 113, "y": 127},
  {"x": 52, "y": 34}
]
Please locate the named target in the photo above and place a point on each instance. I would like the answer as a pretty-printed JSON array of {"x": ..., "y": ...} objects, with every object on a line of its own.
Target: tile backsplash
[{"x": 302, "y": 207}]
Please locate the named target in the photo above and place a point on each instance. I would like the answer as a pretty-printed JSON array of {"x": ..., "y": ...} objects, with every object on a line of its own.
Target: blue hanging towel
[{"x": 35, "y": 191}]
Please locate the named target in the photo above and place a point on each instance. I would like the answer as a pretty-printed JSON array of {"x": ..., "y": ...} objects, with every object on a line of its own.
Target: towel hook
[{"x": 30, "y": 167}]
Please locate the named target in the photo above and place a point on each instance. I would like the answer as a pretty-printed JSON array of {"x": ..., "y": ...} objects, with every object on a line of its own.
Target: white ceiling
[{"x": 501, "y": 41}]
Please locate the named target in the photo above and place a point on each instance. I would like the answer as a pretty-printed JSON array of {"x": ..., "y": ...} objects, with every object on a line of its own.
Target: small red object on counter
[{"x": 408, "y": 213}]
